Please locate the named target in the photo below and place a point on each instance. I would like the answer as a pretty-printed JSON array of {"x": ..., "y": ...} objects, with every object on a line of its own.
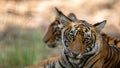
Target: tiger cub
[{"x": 86, "y": 48}]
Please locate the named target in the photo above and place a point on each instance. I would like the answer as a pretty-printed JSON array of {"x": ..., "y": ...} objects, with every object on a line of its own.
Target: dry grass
[{"x": 21, "y": 48}]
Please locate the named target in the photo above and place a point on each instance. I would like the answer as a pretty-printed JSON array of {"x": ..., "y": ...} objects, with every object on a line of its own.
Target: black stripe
[
  {"x": 69, "y": 61},
  {"x": 61, "y": 64},
  {"x": 53, "y": 65},
  {"x": 116, "y": 49},
  {"x": 108, "y": 56},
  {"x": 111, "y": 57},
  {"x": 94, "y": 63},
  {"x": 115, "y": 42},
  {"x": 86, "y": 58},
  {"x": 116, "y": 57}
]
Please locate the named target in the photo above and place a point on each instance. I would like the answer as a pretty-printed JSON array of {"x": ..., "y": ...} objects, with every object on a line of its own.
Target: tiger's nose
[
  {"x": 75, "y": 54},
  {"x": 45, "y": 41}
]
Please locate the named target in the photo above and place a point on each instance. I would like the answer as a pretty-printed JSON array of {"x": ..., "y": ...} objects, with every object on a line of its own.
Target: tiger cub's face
[
  {"x": 82, "y": 39},
  {"x": 53, "y": 36}
]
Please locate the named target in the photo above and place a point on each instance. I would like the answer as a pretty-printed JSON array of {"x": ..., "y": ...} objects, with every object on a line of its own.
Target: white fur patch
[{"x": 60, "y": 25}]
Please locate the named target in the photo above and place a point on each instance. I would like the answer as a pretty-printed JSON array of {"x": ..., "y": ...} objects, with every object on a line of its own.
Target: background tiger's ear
[
  {"x": 72, "y": 16},
  {"x": 99, "y": 26},
  {"x": 62, "y": 18}
]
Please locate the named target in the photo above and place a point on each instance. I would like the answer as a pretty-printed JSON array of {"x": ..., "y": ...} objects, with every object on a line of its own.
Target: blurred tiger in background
[{"x": 86, "y": 48}]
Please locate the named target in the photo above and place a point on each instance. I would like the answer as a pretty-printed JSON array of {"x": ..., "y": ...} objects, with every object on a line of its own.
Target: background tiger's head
[
  {"x": 82, "y": 39},
  {"x": 53, "y": 36}
]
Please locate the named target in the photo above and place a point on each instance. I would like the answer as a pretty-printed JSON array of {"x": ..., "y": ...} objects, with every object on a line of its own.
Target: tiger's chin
[{"x": 73, "y": 60}]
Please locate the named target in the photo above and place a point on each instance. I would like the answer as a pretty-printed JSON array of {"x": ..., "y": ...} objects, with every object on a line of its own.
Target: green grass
[{"x": 22, "y": 48}]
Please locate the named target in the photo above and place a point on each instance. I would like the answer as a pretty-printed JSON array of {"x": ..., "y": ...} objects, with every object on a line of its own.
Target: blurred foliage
[{"x": 21, "y": 48}]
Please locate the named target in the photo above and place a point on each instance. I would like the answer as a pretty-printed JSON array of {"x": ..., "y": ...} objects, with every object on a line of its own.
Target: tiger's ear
[
  {"x": 72, "y": 16},
  {"x": 99, "y": 26},
  {"x": 62, "y": 18}
]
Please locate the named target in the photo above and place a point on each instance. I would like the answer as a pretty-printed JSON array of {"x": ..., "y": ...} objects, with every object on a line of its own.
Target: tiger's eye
[{"x": 89, "y": 48}]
